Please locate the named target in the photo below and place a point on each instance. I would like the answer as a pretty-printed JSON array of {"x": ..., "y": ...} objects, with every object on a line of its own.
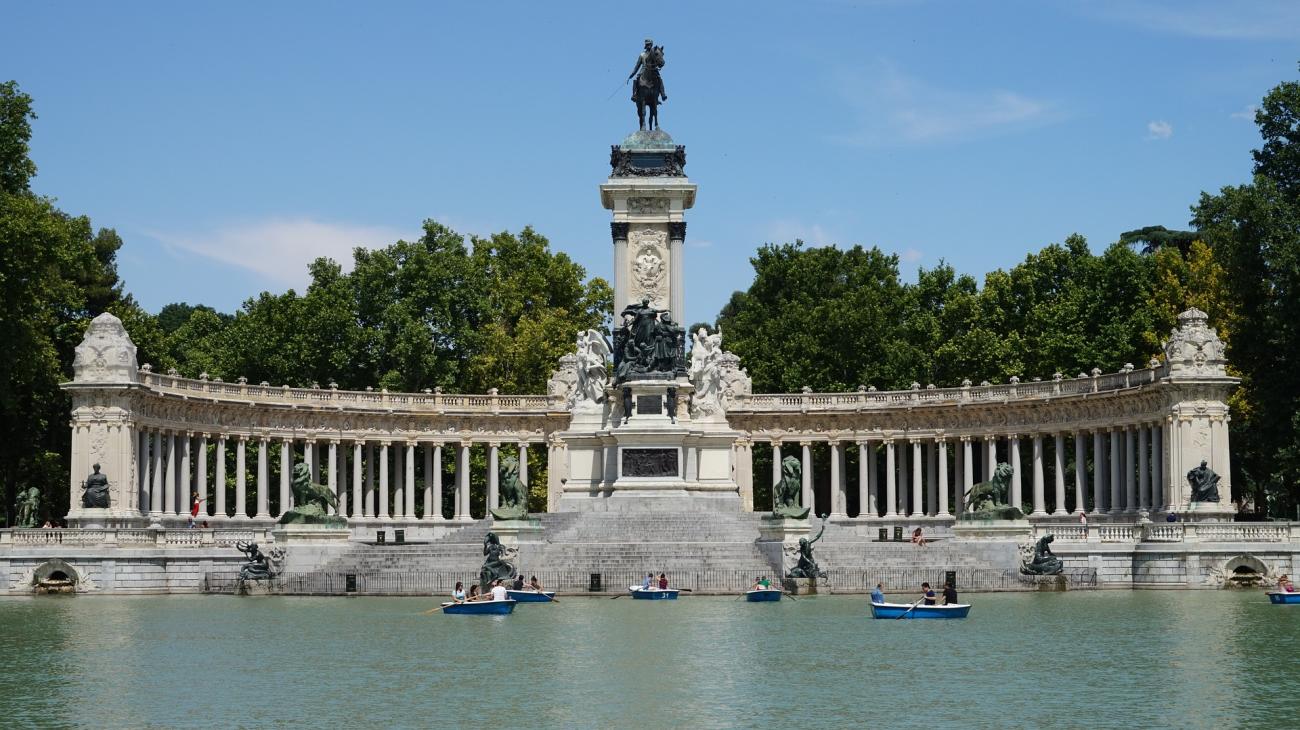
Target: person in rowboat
[
  {"x": 1284, "y": 584},
  {"x": 927, "y": 595},
  {"x": 764, "y": 583},
  {"x": 473, "y": 593},
  {"x": 458, "y": 594},
  {"x": 535, "y": 585},
  {"x": 878, "y": 594},
  {"x": 663, "y": 582},
  {"x": 498, "y": 591},
  {"x": 949, "y": 594},
  {"x": 518, "y": 584},
  {"x": 649, "y": 582},
  {"x": 758, "y": 584}
]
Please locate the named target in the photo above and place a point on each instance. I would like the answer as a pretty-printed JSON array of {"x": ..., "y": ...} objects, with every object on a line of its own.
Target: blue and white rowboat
[
  {"x": 763, "y": 594},
  {"x": 531, "y": 596},
  {"x": 491, "y": 608},
  {"x": 1283, "y": 597},
  {"x": 897, "y": 610},
  {"x": 653, "y": 594}
]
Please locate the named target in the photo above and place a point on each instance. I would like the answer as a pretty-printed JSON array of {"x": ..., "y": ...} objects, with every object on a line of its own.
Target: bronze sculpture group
[
  {"x": 648, "y": 91},
  {"x": 496, "y": 562},
  {"x": 988, "y": 500},
  {"x": 789, "y": 491},
  {"x": 514, "y": 493},
  {"x": 648, "y": 345},
  {"x": 1043, "y": 562}
]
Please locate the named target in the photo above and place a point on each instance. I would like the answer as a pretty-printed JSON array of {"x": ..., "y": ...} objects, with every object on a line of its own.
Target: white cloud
[
  {"x": 1158, "y": 129},
  {"x": 698, "y": 244},
  {"x": 894, "y": 107},
  {"x": 911, "y": 256},
  {"x": 281, "y": 249},
  {"x": 1248, "y": 113},
  {"x": 1223, "y": 19},
  {"x": 787, "y": 231}
]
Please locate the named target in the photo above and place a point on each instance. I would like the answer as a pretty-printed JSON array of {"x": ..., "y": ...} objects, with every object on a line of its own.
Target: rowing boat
[
  {"x": 900, "y": 610},
  {"x": 491, "y": 608}
]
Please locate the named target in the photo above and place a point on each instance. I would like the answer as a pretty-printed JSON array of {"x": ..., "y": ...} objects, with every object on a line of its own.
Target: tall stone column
[
  {"x": 891, "y": 480},
  {"x": 286, "y": 475},
  {"x": 219, "y": 485},
  {"x": 1130, "y": 459},
  {"x": 968, "y": 474},
  {"x": 156, "y": 487},
  {"x": 169, "y": 478},
  {"x": 1157, "y": 466},
  {"x": 372, "y": 458},
  {"x": 866, "y": 500},
  {"x": 383, "y": 513},
  {"x": 1098, "y": 471},
  {"x": 523, "y": 462},
  {"x": 931, "y": 479},
  {"x": 1080, "y": 473},
  {"x": 358, "y": 480},
  {"x": 241, "y": 477},
  {"x": 185, "y": 485},
  {"x": 873, "y": 481},
  {"x": 462, "y": 482},
  {"x": 1017, "y": 496},
  {"x": 437, "y": 481},
  {"x": 1059, "y": 464},
  {"x": 494, "y": 481},
  {"x": 990, "y": 456},
  {"x": 1040, "y": 507},
  {"x": 312, "y": 457},
  {"x": 839, "y": 494},
  {"x": 943, "y": 477},
  {"x": 744, "y": 456},
  {"x": 428, "y": 482},
  {"x": 807, "y": 491},
  {"x": 344, "y": 494},
  {"x": 1144, "y": 466},
  {"x": 917, "y": 507},
  {"x": 332, "y": 464},
  {"x": 263, "y": 480},
  {"x": 201, "y": 476},
  {"x": 143, "y": 439},
  {"x": 1116, "y": 454},
  {"x": 776, "y": 468},
  {"x": 677, "y": 296},
  {"x": 410, "y": 480},
  {"x": 618, "y": 232}
]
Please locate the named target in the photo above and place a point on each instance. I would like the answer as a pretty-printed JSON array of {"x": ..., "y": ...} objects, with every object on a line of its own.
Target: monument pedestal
[
  {"x": 515, "y": 532},
  {"x": 306, "y": 547},
  {"x": 1016, "y": 530}
]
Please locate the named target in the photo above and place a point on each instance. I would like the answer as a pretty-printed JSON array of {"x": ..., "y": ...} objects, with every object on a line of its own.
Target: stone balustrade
[
  {"x": 131, "y": 537},
  {"x": 1174, "y": 532}
]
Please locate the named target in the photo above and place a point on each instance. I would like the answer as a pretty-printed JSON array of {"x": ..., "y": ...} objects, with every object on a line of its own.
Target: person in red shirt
[{"x": 663, "y": 582}]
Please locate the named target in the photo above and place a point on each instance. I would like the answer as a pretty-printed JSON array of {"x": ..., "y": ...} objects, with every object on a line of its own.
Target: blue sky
[{"x": 230, "y": 143}]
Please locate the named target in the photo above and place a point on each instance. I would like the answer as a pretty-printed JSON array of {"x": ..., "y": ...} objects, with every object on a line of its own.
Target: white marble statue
[
  {"x": 704, "y": 372},
  {"x": 593, "y": 373}
]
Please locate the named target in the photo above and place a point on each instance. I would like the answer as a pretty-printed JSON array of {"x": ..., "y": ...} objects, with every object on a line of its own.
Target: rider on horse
[{"x": 649, "y": 63}]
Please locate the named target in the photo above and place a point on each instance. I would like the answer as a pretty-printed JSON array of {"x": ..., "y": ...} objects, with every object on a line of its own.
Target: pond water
[{"x": 1083, "y": 659}]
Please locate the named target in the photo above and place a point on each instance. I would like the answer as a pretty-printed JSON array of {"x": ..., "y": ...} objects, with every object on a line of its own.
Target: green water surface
[{"x": 1199, "y": 659}]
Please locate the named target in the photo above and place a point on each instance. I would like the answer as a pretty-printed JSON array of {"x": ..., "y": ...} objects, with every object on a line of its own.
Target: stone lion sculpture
[
  {"x": 988, "y": 500},
  {"x": 311, "y": 502},
  {"x": 514, "y": 493},
  {"x": 787, "y": 493}
]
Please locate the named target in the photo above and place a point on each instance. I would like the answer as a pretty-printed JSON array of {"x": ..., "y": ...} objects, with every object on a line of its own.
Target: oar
[
  {"x": 909, "y": 610},
  {"x": 616, "y": 595},
  {"x": 437, "y": 608},
  {"x": 792, "y": 598}
]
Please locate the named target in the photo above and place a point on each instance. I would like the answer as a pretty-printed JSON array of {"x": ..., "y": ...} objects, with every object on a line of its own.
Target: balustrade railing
[{"x": 130, "y": 537}]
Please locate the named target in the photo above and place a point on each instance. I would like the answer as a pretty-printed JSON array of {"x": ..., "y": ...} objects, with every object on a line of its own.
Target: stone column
[
  {"x": 1177, "y": 493},
  {"x": 383, "y": 481},
  {"x": 142, "y": 444},
  {"x": 1017, "y": 496},
  {"x": 968, "y": 474},
  {"x": 1080, "y": 475},
  {"x": 873, "y": 481},
  {"x": 1144, "y": 473},
  {"x": 201, "y": 476},
  {"x": 676, "y": 290},
  {"x": 917, "y": 507},
  {"x": 1039, "y": 501},
  {"x": 1116, "y": 453},
  {"x": 241, "y": 477},
  {"x": 286, "y": 475},
  {"x": 776, "y": 468},
  {"x": 399, "y": 485},
  {"x": 437, "y": 481},
  {"x": 345, "y": 504},
  {"x": 410, "y": 480},
  {"x": 931, "y": 480},
  {"x": 990, "y": 456},
  {"x": 891, "y": 480},
  {"x": 358, "y": 480},
  {"x": 263, "y": 480},
  {"x": 494, "y": 480},
  {"x": 428, "y": 482},
  {"x": 156, "y": 472},
  {"x": 169, "y": 477},
  {"x": 1059, "y": 464},
  {"x": 1222, "y": 455},
  {"x": 1157, "y": 466},
  {"x": 866, "y": 500},
  {"x": 1130, "y": 459},
  {"x": 462, "y": 480},
  {"x": 744, "y": 456},
  {"x": 618, "y": 232},
  {"x": 219, "y": 485},
  {"x": 332, "y": 463},
  {"x": 312, "y": 457},
  {"x": 1098, "y": 471},
  {"x": 807, "y": 493},
  {"x": 839, "y": 493},
  {"x": 372, "y": 458},
  {"x": 185, "y": 485},
  {"x": 942, "y": 445},
  {"x": 523, "y": 462}
]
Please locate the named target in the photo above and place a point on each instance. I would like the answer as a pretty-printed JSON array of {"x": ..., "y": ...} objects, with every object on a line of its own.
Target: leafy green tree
[
  {"x": 1154, "y": 238},
  {"x": 1278, "y": 118}
]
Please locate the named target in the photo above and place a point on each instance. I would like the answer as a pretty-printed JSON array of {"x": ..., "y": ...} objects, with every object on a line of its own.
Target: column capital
[
  {"x": 677, "y": 230},
  {"x": 335, "y": 442},
  {"x": 618, "y": 230},
  {"x": 832, "y": 442},
  {"x": 494, "y": 444},
  {"x": 205, "y": 435},
  {"x": 466, "y": 443},
  {"x": 965, "y": 438},
  {"x": 385, "y": 443},
  {"x": 243, "y": 437},
  {"x": 776, "y": 443},
  {"x": 805, "y": 444}
]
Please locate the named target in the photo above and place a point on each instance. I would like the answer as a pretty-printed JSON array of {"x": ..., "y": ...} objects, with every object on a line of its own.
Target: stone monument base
[
  {"x": 514, "y": 532},
  {"x": 802, "y": 586},
  {"x": 308, "y": 546},
  {"x": 1018, "y": 530}
]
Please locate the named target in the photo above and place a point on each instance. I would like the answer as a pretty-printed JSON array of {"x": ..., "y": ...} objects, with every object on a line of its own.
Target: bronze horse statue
[{"x": 648, "y": 90}]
